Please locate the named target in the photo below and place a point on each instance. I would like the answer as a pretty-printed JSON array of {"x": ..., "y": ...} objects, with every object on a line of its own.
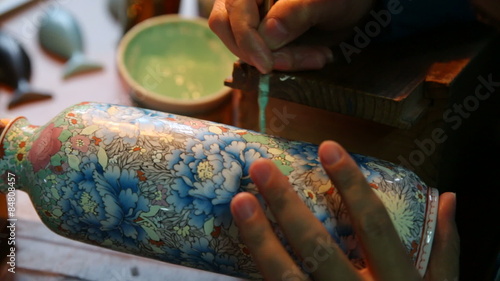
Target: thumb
[
  {"x": 444, "y": 260},
  {"x": 287, "y": 20}
]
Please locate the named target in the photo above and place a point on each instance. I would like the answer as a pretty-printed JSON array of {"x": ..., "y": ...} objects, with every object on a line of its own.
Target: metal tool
[{"x": 263, "y": 97}]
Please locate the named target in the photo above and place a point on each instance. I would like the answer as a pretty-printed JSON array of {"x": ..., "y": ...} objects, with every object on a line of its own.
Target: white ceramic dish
[{"x": 175, "y": 64}]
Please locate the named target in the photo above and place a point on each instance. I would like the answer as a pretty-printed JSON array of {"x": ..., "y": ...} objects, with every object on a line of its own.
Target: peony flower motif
[
  {"x": 209, "y": 171},
  {"x": 44, "y": 147},
  {"x": 102, "y": 203},
  {"x": 205, "y": 170},
  {"x": 80, "y": 143}
]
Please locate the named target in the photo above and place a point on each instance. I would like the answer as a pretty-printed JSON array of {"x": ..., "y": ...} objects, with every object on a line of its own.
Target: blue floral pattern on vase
[{"x": 159, "y": 185}]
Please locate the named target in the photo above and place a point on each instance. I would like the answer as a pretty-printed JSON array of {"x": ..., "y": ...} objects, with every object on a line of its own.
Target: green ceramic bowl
[{"x": 175, "y": 64}]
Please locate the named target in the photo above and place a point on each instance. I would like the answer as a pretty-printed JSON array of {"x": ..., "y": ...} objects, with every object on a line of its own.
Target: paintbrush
[{"x": 263, "y": 95}]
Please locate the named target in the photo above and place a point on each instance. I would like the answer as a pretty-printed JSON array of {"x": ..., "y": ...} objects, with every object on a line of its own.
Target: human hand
[
  {"x": 385, "y": 256},
  {"x": 488, "y": 11},
  {"x": 294, "y": 35}
]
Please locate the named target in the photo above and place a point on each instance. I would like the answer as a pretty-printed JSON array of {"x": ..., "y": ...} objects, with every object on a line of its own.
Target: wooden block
[
  {"x": 388, "y": 103},
  {"x": 392, "y": 84}
]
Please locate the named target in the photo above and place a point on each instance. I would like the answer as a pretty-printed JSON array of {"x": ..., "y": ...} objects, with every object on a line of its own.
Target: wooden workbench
[{"x": 375, "y": 126}]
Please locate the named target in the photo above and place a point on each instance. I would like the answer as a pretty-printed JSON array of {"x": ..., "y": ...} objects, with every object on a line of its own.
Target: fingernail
[
  {"x": 244, "y": 209},
  {"x": 329, "y": 56},
  {"x": 330, "y": 153},
  {"x": 313, "y": 61},
  {"x": 274, "y": 33},
  {"x": 454, "y": 210},
  {"x": 260, "y": 174},
  {"x": 281, "y": 61},
  {"x": 263, "y": 64}
]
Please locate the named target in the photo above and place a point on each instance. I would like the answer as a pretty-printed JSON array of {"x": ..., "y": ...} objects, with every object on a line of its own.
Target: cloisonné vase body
[{"x": 159, "y": 185}]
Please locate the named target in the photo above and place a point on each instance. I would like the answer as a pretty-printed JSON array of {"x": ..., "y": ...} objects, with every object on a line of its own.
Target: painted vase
[{"x": 159, "y": 185}]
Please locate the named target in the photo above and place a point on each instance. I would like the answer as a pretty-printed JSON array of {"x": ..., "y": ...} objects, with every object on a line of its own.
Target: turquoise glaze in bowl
[{"x": 175, "y": 64}]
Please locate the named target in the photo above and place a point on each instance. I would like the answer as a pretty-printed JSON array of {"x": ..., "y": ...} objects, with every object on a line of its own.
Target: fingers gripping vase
[{"x": 159, "y": 185}]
